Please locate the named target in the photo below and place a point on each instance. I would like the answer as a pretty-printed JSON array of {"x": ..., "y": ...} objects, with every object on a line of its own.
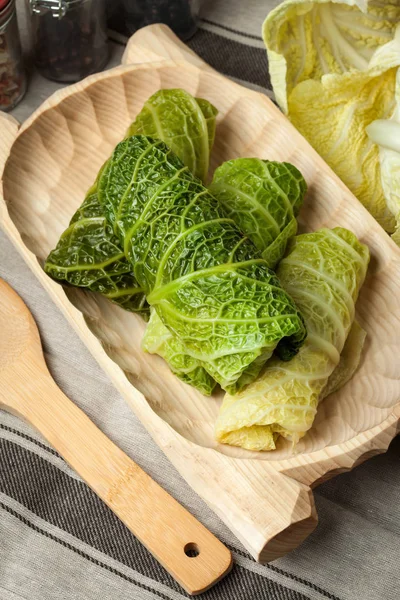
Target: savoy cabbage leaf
[
  {"x": 323, "y": 272},
  {"x": 89, "y": 255},
  {"x": 207, "y": 282},
  {"x": 159, "y": 340}
]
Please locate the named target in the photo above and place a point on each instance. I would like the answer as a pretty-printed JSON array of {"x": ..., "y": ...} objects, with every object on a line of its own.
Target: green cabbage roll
[
  {"x": 264, "y": 199},
  {"x": 323, "y": 273},
  {"x": 207, "y": 282},
  {"x": 88, "y": 254},
  {"x": 184, "y": 123}
]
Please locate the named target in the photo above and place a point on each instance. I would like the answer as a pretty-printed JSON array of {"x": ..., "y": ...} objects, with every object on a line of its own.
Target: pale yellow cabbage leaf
[
  {"x": 333, "y": 117},
  {"x": 350, "y": 359},
  {"x": 386, "y": 135},
  {"x": 333, "y": 67},
  {"x": 323, "y": 272}
]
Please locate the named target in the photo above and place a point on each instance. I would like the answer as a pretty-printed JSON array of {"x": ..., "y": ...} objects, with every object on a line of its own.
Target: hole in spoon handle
[{"x": 191, "y": 550}]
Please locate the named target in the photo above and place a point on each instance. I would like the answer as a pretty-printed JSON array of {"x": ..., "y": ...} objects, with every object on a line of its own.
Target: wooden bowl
[{"x": 264, "y": 498}]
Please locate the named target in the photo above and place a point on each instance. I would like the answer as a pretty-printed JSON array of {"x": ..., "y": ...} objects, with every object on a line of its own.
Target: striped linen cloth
[{"x": 58, "y": 541}]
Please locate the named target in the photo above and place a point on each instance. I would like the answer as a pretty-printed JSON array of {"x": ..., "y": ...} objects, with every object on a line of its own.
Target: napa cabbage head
[{"x": 333, "y": 69}]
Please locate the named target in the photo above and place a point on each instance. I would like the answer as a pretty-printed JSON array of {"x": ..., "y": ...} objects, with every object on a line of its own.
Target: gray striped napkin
[{"x": 58, "y": 541}]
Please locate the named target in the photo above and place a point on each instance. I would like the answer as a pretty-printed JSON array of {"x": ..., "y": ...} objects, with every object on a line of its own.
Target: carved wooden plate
[{"x": 264, "y": 498}]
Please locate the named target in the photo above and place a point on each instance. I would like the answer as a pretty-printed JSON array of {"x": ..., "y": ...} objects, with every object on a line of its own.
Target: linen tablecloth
[{"x": 58, "y": 541}]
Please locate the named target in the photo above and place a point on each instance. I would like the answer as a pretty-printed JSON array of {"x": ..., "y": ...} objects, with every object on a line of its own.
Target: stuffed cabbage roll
[
  {"x": 207, "y": 282},
  {"x": 264, "y": 199},
  {"x": 323, "y": 273},
  {"x": 88, "y": 254}
]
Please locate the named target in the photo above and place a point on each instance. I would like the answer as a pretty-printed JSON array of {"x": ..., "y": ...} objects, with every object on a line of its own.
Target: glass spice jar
[
  {"x": 12, "y": 74},
  {"x": 69, "y": 38},
  {"x": 126, "y": 16}
]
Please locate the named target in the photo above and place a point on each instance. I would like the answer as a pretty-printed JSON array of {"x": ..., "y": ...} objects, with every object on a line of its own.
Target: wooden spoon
[{"x": 193, "y": 556}]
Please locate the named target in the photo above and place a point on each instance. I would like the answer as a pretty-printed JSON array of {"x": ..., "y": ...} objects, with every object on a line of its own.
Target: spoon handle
[{"x": 167, "y": 529}]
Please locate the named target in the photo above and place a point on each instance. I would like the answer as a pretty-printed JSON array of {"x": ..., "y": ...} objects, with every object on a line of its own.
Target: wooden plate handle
[
  {"x": 158, "y": 42},
  {"x": 8, "y": 132},
  {"x": 270, "y": 513}
]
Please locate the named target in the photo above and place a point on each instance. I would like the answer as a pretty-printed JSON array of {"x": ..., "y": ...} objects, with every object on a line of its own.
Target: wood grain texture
[
  {"x": 166, "y": 528},
  {"x": 264, "y": 498}
]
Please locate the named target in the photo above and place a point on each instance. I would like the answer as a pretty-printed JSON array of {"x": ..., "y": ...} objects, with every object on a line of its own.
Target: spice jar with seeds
[
  {"x": 69, "y": 38},
  {"x": 12, "y": 75}
]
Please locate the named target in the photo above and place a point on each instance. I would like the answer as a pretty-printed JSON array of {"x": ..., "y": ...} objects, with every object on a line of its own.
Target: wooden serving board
[{"x": 265, "y": 499}]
